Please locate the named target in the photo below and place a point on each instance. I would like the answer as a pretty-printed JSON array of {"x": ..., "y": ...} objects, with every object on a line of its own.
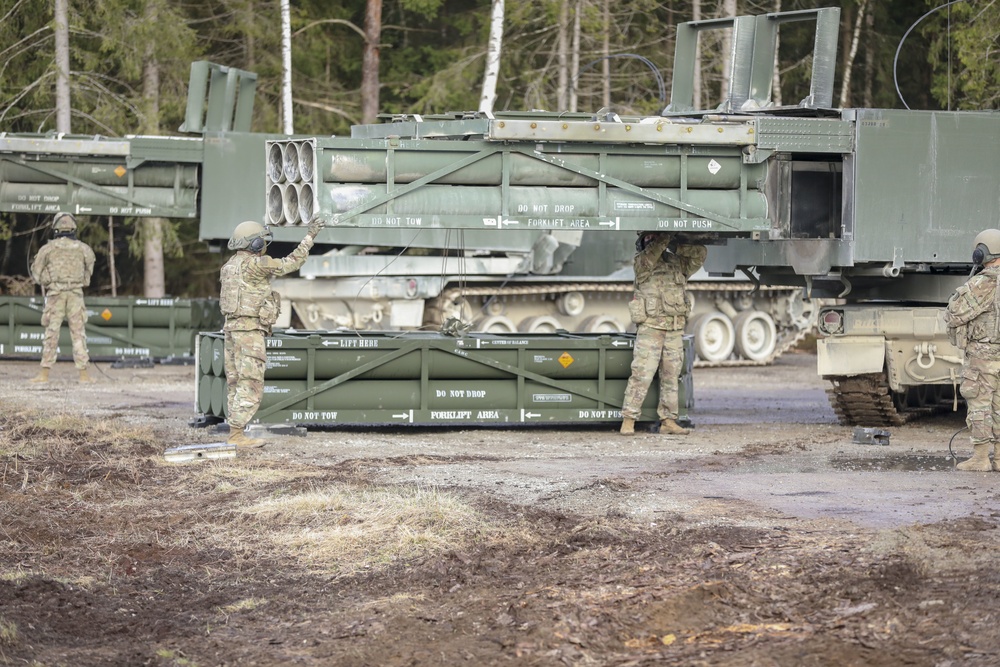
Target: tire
[
  {"x": 756, "y": 335},
  {"x": 602, "y": 324},
  {"x": 498, "y": 324},
  {"x": 714, "y": 336},
  {"x": 540, "y": 324}
]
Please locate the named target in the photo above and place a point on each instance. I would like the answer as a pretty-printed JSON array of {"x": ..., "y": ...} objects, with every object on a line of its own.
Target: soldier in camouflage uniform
[
  {"x": 973, "y": 319},
  {"x": 63, "y": 268},
  {"x": 659, "y": 308},
  {"x": 251, "y": 309}
]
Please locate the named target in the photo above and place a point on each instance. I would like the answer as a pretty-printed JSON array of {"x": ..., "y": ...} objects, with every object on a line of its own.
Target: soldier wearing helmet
[
  {"x": 973, "y": 319},
  {"x": 63, "y": 268},
  {"x": 659, "y": 308},
  {"x": 251, "y": 309}
]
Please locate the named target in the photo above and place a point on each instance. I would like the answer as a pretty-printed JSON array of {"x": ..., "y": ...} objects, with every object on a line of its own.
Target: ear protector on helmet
[
  {"x": 980, "y": 254},
  {"x": 257, "y": 244}
]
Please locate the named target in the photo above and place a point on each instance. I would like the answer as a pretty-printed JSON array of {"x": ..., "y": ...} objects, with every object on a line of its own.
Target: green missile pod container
[{"x": 422, "y": 378}]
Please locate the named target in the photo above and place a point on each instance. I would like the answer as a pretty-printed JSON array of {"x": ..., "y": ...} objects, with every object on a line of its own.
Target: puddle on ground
[{"x": 894, "y": 462}]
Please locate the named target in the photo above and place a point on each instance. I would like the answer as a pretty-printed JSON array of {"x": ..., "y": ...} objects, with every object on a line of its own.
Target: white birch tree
[
  {"x": 574, "y": 65},
  {"x": 845, "y": 90},
  {"x": 696, "y": 85},
  {"x": 493, "y": 50},
  {"x": 562, "y": 56},
  {"x": 728, "y": 11},
  {"x": 287, "y": 121},
  {"x": 63, "y": 123},
  {"x": 776, "y": 79}
]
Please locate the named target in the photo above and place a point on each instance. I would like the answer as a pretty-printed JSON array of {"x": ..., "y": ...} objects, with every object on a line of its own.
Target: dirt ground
[{"x": 767, "y": 537}]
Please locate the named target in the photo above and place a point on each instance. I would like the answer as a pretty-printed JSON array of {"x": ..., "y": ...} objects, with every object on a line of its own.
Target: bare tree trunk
[
  {"x": 845, "y": 90},
  {"x": 62, "y": 66},
  {"x": 562, "y": 56},
  {"x": 111, "y": 255},
  {"x": 728, "y": 11},
  {"x": 493, "y": 51},
  {"x": 869, "y": 59},
  {"x": 606, "y": 52},
  {"x": 370, "y": 62},
  {"x": 575, "y": 58},
  {"x": 287, "y": 121},
  {"x": 154, "y": 281},
  {"x": 249, "y": 41},
  {"x": 776, "y": 81},
  {"x": 696, "y": 84}
]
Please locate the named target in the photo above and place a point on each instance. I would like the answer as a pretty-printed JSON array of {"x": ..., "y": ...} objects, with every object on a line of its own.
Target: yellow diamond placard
[
  {"x": 566, "y": 360},
  {"x": 120, "y": 171},
  {"x": 106, "y": 314}
]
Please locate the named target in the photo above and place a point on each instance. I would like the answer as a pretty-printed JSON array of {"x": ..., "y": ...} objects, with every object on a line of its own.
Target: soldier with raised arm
[
  {"x": 973, "y": 319},
  {"x": 251, "y": 308},
  {"x": 63, "y": 267},
  {"x": 659, "y": 308}
]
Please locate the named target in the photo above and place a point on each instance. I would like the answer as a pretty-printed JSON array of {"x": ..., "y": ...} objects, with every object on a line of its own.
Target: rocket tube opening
[
  {"x": 275, "y": 163},
  {"x": 307, "y": 207},
  {"x": 307, "y": 161},
  {"x": 290, "y": 204},
  {"x": 290, "y": 162},
  {"x": 274, "y": 204}
]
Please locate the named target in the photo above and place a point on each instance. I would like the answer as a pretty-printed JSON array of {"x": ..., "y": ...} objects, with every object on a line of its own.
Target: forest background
[{"x": 129, "y": 63}]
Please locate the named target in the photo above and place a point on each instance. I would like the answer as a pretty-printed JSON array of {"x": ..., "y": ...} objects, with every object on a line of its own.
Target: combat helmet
[
  {"x": 250, "y": 235},
  {"x": 986, "y": 246},
  {"x": 64, "y": 223}
]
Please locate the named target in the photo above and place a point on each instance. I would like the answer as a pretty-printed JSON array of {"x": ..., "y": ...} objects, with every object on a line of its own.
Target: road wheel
[
  {"x": 497, "y": 324},
  {"x": 540, "y": 324},
  {"x": 714, "y": 336},
  {"x": 602, "y": 324},
  {"x": 756, "y": 335}
]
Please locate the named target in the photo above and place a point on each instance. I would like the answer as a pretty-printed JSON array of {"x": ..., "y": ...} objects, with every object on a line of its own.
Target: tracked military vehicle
[{"x": 875, "y": 208}]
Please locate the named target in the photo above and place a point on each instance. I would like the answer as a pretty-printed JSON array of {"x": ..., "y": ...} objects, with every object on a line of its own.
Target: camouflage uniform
[
  {"x": 251, "y": 309},
  {"x": 63, "y": 268},
  {"x": 659, "y": 307},
  {"x": 973, "y": 319}
]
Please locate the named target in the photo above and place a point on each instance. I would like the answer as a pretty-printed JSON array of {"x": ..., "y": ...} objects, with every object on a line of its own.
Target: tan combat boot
[
  {"x": 42, "y": 377},
  {"x": 242, "y": 441},
  {"x": 980, "y": 461},
  {"x": 670, "y": 427},
  {"x": 84, "y": 378},
  {"x": 628, "y": 426}
]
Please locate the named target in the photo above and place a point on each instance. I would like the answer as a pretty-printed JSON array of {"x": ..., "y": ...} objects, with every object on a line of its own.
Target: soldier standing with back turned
[
  {"x": 63, "y": 268},
  {"x": 659, "y": 308},
  {"x": 973, "y": 319},
  {"x": 251, "y": 309}
]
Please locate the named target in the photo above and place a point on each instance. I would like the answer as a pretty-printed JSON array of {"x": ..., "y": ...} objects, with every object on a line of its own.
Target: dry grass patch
[
  {"x": 247, "y": 604},
  {"x": 32, "y": 434},
  {"x": 346, "y": 530},
  {"x": 9, "y": 635},
  {"x": 240, "y": 474}
]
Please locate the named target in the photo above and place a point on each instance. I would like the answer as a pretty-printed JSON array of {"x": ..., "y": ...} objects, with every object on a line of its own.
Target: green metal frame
[{"x": 753, "y": 57}]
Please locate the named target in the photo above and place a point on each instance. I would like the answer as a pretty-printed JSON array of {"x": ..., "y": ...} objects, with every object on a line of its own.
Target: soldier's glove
[
  {"x": 645, "y": 238},
  {"x": 316, "y": 226}
]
